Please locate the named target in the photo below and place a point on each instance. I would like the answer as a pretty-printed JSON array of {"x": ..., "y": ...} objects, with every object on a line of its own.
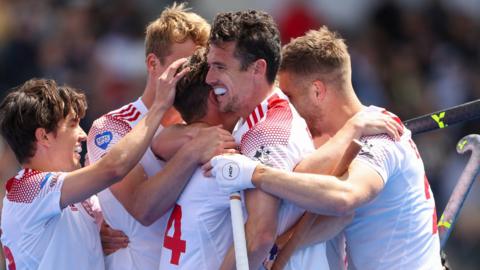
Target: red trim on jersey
[
  {"x": 274, "y": 130},
  {"x": 121, "y": 111},
  {"x": 135, "y": 117},
  {"x": 250, "y": 125},
  {"x": 254, "y": 117},
  {"x": 427, "y": 187},
  {"x": 126, "y": 114},
  {"x": 25, "y": 188},
  {"x": 260, "y": 111}
]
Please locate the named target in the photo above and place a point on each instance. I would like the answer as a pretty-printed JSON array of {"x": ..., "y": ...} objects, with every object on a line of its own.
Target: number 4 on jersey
[{"x": 175, "y": 243}]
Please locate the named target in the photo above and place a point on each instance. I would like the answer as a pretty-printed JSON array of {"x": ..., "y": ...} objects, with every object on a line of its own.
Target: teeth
[
  {"x": 78, "y": 149},
  {"x": 219, "y": 91}
]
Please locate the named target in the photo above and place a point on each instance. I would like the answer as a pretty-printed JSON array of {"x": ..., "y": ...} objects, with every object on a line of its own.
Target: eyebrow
[{"x": 218, "y": 63}]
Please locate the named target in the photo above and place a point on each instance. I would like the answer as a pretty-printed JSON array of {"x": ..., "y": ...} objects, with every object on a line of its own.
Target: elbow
[
  {"x": 115, "y": 170},
  {"x": 344, "y": 204}
]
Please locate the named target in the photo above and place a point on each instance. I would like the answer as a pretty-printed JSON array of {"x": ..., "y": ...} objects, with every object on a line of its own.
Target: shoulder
[
  {"x": 115, "y": 123},
  {"x": 29, "y": 184}
]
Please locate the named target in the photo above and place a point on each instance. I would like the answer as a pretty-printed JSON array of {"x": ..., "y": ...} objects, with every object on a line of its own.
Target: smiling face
[
  {"x": 66, "y": 144},
  {"x": 234, "y": 87}
]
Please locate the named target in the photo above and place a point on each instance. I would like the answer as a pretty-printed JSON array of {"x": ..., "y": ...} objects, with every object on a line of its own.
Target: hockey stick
[
  {"x": 465, "y": 183},
  {"x": 238, "y": 228},
  {"x": 444, "y": 118},
  {"x": 308, "y": 219}
]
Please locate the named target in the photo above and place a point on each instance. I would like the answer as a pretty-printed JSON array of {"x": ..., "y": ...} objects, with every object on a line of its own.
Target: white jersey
[
  {"x": 143, "y": 250},
  {"x": 398, "y": 228},
  {"x": 38, "y": 234},
  {"x": 199, "y": 230},
  {"x": 276, "y": 135}
]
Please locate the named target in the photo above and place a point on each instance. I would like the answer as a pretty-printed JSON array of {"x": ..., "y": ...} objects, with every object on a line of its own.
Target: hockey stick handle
[
  {"x": 444, "y": 118},
  {"x": 238, "y": 228},
  {"x": 308, "y": 219},
  {"x": 462, "y": 188}
]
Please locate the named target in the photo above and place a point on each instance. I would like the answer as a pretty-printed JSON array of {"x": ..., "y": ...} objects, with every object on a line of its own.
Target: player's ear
[
  {"x": 152, "y": 62},
  {"x": 319, "y": 90},
  {"x": 260, "y": 67},
  {"x": 42, "y": 137}
]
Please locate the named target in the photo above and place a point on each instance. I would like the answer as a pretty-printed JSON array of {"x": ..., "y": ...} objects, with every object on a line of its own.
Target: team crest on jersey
[
  {"x": 263, "y": 155},
  {"x": 102, "y": 140},
  {"x": 366, "y": 149}
]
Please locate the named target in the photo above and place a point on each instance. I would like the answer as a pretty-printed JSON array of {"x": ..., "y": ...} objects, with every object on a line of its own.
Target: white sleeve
[
  {"x": 380, "y": 153},
  {"x": 46, "y": 204}
]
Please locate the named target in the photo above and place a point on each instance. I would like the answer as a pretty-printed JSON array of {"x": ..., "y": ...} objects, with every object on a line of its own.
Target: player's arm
[
  {"x": 171, "y": 139},
  {"x": 260, "y": 228},
  {"x": 148, "y": 200},
  {"x": 322, "y": 194},
  {"x": 81, "y": 184},
  {"x": 324, "y": 159}
]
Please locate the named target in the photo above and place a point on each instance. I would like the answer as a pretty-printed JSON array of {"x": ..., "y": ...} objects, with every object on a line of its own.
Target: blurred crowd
[{"x": 412, "y": 57}]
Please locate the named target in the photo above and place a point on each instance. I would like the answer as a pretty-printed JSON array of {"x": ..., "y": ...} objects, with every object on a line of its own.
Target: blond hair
[
  {"x": 176, "y": 24},
  {"x": 319, "y": 52}
]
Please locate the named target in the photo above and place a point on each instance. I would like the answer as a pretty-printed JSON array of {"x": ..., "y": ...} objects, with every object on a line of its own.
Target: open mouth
[
  {"x": 78, "y": 150},
  {"x": 220, "y": 91}
]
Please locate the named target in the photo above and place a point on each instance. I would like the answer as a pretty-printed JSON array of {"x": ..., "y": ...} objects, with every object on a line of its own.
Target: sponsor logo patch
[
  {"x": 102, "y": 140},
  {"x": 230, "y": 171}
]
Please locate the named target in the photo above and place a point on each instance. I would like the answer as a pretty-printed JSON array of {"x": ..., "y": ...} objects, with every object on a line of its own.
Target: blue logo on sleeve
[
  {"x": 103, "y": 140},
  {"x": 45, "y": 180}
]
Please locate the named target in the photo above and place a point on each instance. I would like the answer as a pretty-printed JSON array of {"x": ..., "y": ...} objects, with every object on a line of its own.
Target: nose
[
  {"x": 82, "y": 136},
  {"x": 210, "y": 78}
]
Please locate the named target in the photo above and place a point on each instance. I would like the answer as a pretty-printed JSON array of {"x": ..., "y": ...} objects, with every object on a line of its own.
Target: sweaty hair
[
  {"x": 191, "y": 90},
  {"x": 256, "y": 36},
  {"x": 176, "y": 24},
  {"x": 38, "y": 103},
  {"x": 318, "y": 51}
]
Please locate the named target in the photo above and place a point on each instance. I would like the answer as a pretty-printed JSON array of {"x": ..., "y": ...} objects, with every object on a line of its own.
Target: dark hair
[
  {"x": 191, "y": 90},
  {"x": 256, "y": 36},
  {"x": 38, "y": 103}
]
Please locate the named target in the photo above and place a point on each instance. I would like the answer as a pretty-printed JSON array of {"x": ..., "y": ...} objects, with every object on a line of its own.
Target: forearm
[
  {"x": 325, "y": 158},
  {"x": 229, "y": 260},
  {"x": 321, "y": 194},
  {"x": 261, "y": 225},
  {"x": 325, "y": 228},
  {"x": 129, "y": 150},
  {"x": 154, "y": 197}
]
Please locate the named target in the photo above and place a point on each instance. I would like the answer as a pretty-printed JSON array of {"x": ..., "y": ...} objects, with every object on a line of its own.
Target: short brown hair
[
  {"x": 191, "y": 90},
  {"x": 176, "y": 24},
  {"x": 256, "y": 36},
  {"x": 38, "y": 103},
  {"x": 318, "y": 51}
]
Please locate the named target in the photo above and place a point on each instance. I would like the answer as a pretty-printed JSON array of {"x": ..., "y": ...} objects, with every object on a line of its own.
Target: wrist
[
  {"x": 258, "y": 175},
  {"x": 356, "y": 127}
]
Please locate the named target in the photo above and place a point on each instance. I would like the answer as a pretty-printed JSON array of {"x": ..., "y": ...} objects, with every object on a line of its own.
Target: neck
[
  {"x": 148, "y": 94},
  {"x": 41, "y": 164},
  {"x": 263, "y": 93}
]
